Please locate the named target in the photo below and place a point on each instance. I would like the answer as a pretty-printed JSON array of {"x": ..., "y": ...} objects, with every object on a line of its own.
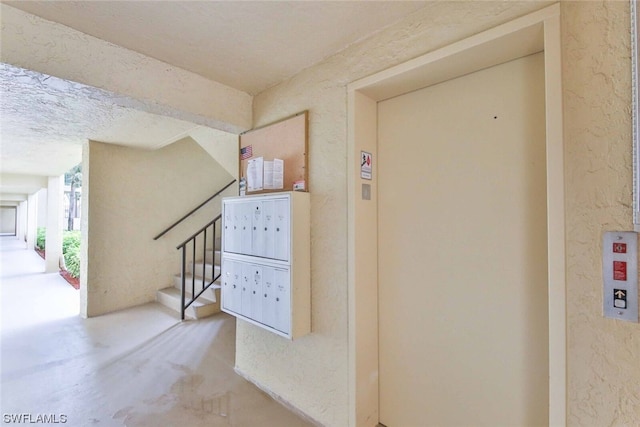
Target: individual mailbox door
[
  {"x": 256, "y": 291},
  {"x": 231, "y": 242},
  {"x": 245, "y": 289},
  {"x": 257, "y": 233},
  {"x": 281, "y": 235},
  {"x": 269, "y": 227},
  {"x": 283, "y": 300},
  {"x": 269, "y": 307},
  {"x": 231, "y": 273},
  {"x": 245, "y": 227}
]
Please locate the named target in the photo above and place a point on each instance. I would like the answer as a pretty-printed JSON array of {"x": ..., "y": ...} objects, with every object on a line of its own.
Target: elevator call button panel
[{"x": 620, "y": 275}]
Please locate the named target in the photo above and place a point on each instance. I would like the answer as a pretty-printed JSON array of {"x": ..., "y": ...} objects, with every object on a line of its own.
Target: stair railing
[
  {"x": 193, "y": 211},
  {"x": 190, "y": 245}
]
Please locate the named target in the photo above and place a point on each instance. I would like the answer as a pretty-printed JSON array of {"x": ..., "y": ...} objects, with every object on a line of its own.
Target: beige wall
[
  {"x": 312, "y": 374},
  {"x": 603, "y": 369},
  {"x": 604, "y": 354},
  {"x": 130, "y": 196}
]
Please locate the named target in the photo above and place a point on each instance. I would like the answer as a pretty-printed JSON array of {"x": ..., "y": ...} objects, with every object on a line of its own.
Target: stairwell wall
[{"x": 131, "y": 195}]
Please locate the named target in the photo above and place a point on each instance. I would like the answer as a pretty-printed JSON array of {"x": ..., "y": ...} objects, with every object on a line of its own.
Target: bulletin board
[{"x": 287, "y": 140}]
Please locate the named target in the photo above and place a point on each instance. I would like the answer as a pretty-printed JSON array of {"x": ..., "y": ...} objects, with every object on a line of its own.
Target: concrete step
[
  {"x": 209, "y": 269},
  {"x": 210, "y": 293},
  {"x": 202, "y": 307}
]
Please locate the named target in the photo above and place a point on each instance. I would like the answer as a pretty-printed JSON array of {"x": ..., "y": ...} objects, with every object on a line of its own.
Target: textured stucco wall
[
  {"x": 312, "y": 373},
  {"x": 131, "y": 195},
  {"x": 603, "y": 354},
  {"x": 136, "y": 80}
]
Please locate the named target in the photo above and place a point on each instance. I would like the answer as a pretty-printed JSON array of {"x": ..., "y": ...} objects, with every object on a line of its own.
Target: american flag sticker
[{"x": 246, "y": 152}]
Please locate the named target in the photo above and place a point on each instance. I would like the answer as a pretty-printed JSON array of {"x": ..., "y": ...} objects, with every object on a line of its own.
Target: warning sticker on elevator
[{"x": 366, "y": 165}]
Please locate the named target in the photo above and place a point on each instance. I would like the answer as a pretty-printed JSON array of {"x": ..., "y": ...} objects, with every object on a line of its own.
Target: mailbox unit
[{"x": 266, "y": 266}]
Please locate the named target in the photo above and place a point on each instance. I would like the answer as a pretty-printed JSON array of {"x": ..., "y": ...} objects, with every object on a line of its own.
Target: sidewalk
[{"x": 29, "y": 296}]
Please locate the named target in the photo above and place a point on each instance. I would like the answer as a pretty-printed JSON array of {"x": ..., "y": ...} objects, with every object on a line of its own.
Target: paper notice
[
  {"x": 273, "y": 174},
  {"x": 268, "y": 175},
  {"x": 278, "y": 174},
  {"x": 254, "y": 174}
]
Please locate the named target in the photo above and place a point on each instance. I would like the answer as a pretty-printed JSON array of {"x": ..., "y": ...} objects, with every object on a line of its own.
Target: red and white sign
[
  {"x": 366, "y": 165},
  {"x": 620, "y": 248},
  {"x": 619, "y": 270}
]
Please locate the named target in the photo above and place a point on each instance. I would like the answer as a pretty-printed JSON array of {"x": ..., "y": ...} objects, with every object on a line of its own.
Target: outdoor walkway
[{"x": 136, "y": 367}]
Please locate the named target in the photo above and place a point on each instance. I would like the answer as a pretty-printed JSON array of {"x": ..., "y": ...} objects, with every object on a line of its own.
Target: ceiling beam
[{"x": 136, "y": 81}]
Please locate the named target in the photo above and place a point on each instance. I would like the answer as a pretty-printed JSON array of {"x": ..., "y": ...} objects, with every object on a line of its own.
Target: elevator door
[{"x": 463, "y": 308}]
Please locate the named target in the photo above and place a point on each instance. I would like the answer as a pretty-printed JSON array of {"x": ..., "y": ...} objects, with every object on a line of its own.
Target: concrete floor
[{"x": 136, "y": 367}]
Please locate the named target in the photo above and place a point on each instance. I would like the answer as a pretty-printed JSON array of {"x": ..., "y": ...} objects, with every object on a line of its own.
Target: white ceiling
[{"x": 248, "y": 45}]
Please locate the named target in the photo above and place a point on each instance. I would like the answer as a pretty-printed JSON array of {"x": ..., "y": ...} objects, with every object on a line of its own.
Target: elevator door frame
[{"x": 536, "y": 32}]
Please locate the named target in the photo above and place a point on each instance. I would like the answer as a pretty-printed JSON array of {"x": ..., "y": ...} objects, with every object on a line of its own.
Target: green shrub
[
  {"x": 72, "y": 260},
  {"x": 70, "y": 249},
  {"x": 70, "y": 239},
  {"x": 71, "y": 252},
  {"x": 40, "y": 238}
]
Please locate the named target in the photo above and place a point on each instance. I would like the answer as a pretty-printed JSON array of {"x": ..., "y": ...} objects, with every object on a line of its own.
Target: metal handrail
[
  {"x": 198, "y": 232},
  {"x": 205, "y": 284},
  {"x": 193, "y": 211}
]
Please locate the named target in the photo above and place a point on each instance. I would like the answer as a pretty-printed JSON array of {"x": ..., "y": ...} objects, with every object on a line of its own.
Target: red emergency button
[{"x": 619, "y": 270}]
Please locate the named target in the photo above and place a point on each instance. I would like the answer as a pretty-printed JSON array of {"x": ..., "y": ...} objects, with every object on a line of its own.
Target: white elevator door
[{"x": 463, "y": 251}]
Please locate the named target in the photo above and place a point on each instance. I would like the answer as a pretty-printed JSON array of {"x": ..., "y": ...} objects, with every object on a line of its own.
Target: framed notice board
[{"x": 275, "y": 157}]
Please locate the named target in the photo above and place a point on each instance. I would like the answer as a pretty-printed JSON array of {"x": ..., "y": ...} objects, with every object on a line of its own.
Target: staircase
[
  {"x": 196, "y": 290},
  {"x": 206, "y": 304}
]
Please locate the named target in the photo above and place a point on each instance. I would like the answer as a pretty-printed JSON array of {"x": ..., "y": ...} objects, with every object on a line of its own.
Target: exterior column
[
  {"x": 84, "y": 234},
  {"x": 21, "y": 227},
  {"x": 32, "y": 220},
  {"x": 55, "y": 212}
]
